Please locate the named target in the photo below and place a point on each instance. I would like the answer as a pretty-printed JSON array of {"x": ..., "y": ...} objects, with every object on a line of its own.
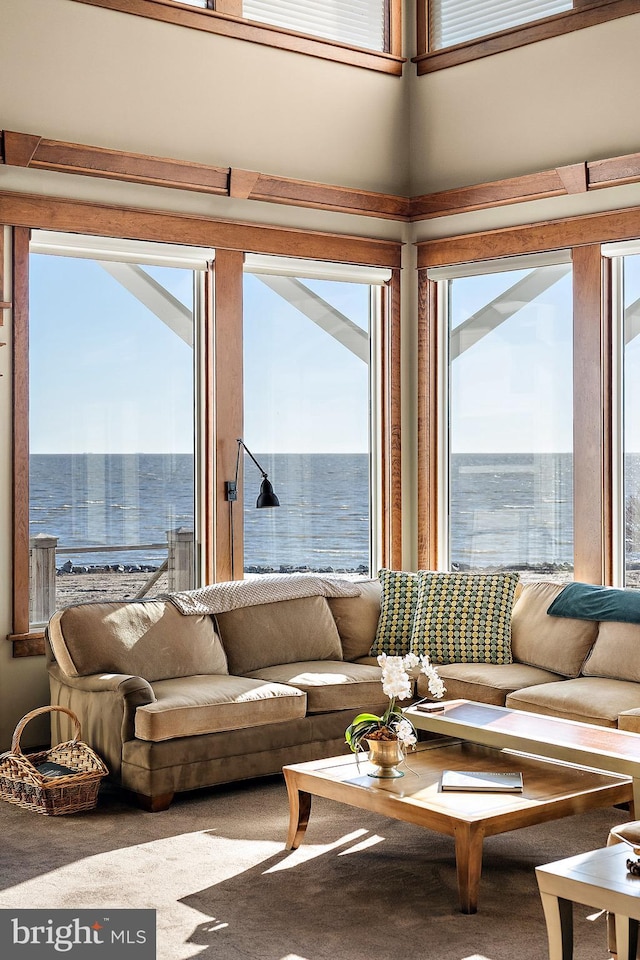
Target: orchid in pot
[{"x": 390, "y": 736}]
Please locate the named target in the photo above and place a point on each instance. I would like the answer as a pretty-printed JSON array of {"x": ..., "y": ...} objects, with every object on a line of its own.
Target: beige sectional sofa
[
  {"x": 577, "y": 669},
  {"x": 174, "y": 702}
]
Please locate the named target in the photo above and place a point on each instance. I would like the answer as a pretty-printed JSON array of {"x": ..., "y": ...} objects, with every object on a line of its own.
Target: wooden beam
[
  {"x": 24, "y": 149},
  {"x": 77, "y": 216},
  {"x": 19, "y": 148},
  {"x": 531, "y": 238},
  {"x": 480, "y": 196}
]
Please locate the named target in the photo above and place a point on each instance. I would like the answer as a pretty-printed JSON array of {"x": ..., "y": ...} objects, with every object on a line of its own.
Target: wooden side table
[{"x": 598, "y": 879}]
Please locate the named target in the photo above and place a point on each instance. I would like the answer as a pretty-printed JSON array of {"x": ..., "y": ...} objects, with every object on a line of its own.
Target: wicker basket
[{"x": 23, "y": 784}]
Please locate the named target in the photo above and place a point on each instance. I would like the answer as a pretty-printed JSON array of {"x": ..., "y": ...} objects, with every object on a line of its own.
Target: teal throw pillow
[
  {"x": 588, "y": 601},
  {"x": 397, "y": 607},
  {"x": 464, "y": 617}
]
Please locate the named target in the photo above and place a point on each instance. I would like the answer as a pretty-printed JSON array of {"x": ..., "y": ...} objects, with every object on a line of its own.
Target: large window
[
  {"x": 111, "y": 422},
  {"x": 310, "y": 416},
  {"x": 507, "y": 443}
]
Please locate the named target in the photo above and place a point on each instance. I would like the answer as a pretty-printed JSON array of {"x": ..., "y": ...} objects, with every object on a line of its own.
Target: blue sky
[{"x": 107, "y": 375}]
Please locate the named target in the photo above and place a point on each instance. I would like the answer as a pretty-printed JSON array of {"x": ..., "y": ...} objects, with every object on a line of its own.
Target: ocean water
[{"x": 508, "y": 509}]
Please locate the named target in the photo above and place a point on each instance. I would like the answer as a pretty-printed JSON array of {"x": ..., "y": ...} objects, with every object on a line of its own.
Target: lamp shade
[{"x": 266, "y": 497}]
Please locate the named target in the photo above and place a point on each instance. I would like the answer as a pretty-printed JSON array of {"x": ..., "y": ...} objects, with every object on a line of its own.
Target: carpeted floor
[{"x": 361, "y": 887}]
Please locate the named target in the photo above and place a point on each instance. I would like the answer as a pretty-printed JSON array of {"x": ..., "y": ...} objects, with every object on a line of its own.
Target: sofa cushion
[
  {"x": 551, "y": 643},
  {"x": 399, "y": 592},
  {"x": 464, "y": 617},
  {"x": 190, "y": 706},
  {"x": 338, "y": 685},
  {"x": 357, "y": 619},
  {"x": 485, "y": 682},
  {"x": 145, "y": 638},
  {"x": 282, "y": 632},
  {"x": 586, "y": 699},
  {"x": 616, "y": 652}
]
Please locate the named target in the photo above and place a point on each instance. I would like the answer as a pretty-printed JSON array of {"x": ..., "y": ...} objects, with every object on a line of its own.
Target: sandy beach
[{"x": 82, "y": 587}]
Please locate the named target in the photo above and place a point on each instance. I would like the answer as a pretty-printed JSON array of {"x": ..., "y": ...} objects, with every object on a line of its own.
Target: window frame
[
  {"x": 226, "y": 21},
  {"x": 593, "y": 375},
  {"x": 221, "y": 360},
  {"x": 585, "y": 13}
]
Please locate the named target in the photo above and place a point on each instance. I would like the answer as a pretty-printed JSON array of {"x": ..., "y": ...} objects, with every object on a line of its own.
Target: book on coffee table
[{"x": 482, "y": 781}]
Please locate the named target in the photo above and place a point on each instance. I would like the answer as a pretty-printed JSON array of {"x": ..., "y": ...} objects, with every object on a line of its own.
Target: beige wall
[
  {"x": 69, "y": 71},
  {"x": 560, "y": 101}
]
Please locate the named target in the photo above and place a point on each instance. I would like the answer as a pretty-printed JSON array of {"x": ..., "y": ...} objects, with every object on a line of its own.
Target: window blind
[
  {"x": 455, "y": 21},
  {"x": 360, "y": 23}
]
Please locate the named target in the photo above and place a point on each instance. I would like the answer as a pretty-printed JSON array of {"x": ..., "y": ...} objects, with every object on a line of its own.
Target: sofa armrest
[
  {"x": 629, "y": 720},
  {"x": 105, "y": 705}
]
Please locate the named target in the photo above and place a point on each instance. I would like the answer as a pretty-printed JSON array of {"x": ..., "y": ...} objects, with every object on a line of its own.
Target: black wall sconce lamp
[{"x": 266, "y": 497}]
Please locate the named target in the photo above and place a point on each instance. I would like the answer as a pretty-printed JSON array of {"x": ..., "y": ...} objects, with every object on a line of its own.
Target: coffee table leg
[
  {"x": 469, "y": 840},
  {"x": 299, "y": 812},
  {"x": 558, "y": 914}
]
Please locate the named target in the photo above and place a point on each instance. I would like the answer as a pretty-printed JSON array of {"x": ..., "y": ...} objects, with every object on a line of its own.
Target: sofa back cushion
[
  {"x": 616, "y": 652},
  {"x": 559, "y": 644},
  {"x": 146, "y": 638},
  {"x": 357, "y": 619},
  {"x": 286, "y": 631}
]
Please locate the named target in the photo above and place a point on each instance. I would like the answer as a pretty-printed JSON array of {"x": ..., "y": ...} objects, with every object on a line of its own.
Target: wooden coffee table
[
  {"x": 605, "y": 748},
  {"x": 551, "y": 790}
]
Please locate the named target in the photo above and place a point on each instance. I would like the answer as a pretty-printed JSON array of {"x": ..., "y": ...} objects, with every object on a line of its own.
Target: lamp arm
[{"x": 242, "y": 443}]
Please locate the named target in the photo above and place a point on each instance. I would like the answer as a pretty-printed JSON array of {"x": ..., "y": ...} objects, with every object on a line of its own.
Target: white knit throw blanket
[{"x": 221, "y": 597}]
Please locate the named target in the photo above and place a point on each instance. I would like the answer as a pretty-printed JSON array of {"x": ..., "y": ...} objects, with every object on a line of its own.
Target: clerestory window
[
  {"x": 364, "y": 33},
  {"x": 454, "y": 31}
]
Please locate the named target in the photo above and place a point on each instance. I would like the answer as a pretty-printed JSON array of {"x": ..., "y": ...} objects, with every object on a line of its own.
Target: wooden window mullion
[{"x": 20, "y": 427}]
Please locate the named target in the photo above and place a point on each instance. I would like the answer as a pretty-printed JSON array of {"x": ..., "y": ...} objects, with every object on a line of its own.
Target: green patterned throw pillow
[
  {"x": 464, "y": 617},
  {"x": 397, "y": 607}
]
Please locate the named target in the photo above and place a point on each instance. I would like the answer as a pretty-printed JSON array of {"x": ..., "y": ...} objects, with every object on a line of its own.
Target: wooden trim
[
  {"x": 208, "y": 429},
  {"x": 29, "y": 150},
  {"x": 391, "y": 433},
  {"x": 608, "y": 417},
  {"x": 216, "y": 22},
  {"x": 591, "y": 13},
  {"x": 428, "y": 419},
  {"x": 228, "y": 407},
  {"x": 573, "y": 178},
  {"x": 77, "y": 216},
  {"x": 591, "y": 502},
  {"x": 394, "y": 16},
  {"x": 27, "y": 645},
  {"x": 531, "y": 238},
  {"x": 20, "y": 427}
]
